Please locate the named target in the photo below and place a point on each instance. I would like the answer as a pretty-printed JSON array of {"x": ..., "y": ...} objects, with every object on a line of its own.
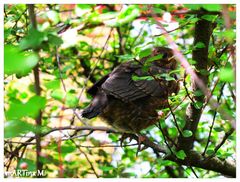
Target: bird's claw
[
  {"x": 125, "y": 136},
  {"x": 141, "y": 138}
]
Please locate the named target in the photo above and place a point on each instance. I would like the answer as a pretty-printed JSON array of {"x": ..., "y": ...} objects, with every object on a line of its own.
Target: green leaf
[
  {"x": 66, "y": 149},
  {"x": 212, "y": 7},
  {"x": 126, "y": 57},
  {"x": 173, "y": 132},
  {"x": 210, "y": 152},
  {"x": 166, "y": 76},
  {"x": 218, "y": 129},
  {"x": 193, "y": 6},
  {"x": 210, "y": 18},
  {"x": 106, "y": 168},
  {"x": 181, "y": 154},
  {"x": 31, "y": 108},
  {"x": 154, "y": 58},
  {"x": 145, "y": 53},
  {"x": 229, "y": 35},
  {"x": 192, "y": 62},
  {"x": 52, "y": 84},
  {"x": 83, "y": 9},
  {"x": 198, "y": 105},
  {"x": 128, "y": 14},
  {"x": 137, "y": 78},
  {"x": 199, "y": 45},
  {"x": 204, "y": 72},
  {"x": 198, "y": 93},
  {"x": 208, "y": 7},
  {"x": 15, "y": 128},
  {"x": 16, "y": 62},
  {"x": 58, "y": 94},
  {"x": 54, "y": 40},
  {"x": 187, "y": 133},
  {"x": 108, "y": 18},
  {"x": 174, "y": 71},
  {"x": 67, "y": 98},
  {"x": 71, "y": 100},
  {"x": 226, "y": 74},
  {"x": 33, "y": 40}
]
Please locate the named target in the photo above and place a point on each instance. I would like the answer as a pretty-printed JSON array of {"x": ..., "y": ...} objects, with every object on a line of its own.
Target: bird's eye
[{"x": 165, "y": 55}]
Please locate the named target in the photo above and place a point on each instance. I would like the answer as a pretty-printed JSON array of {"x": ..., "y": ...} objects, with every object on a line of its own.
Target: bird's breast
[{"x": 135, "y": 116}]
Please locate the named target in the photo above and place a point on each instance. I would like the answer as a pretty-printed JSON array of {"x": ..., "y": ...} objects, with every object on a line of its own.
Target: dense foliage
[{"x": 52, "y": 54}]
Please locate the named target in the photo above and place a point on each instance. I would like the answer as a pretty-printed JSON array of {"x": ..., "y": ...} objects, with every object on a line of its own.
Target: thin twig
[
  {"x": 232, "y": 93},
  {"x": 164, "y": 138},
  {"x": 193, "y": 171},
  {"x": 181, "y": 26},
  {"x": 86, "y": 156},
  {"x": 213, "y": 121},
  {"x": 176, "y": 107},
  {"x": 185, "y": 87},
  {"x": 38, "y": 120},
  {"x": 227, "y": 134},
  {"x": 223, "y": 140},
  {"x": 139, "y": 33},
  {"x": 166, "y": 135},
  {"x": 59, "y": 69},
  {"x": 85, "y": 146}
]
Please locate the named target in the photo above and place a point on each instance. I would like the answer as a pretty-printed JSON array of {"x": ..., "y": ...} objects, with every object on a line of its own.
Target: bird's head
[{"x": 167, "y": 59}]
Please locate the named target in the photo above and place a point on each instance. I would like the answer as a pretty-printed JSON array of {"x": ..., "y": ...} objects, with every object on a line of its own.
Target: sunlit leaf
[
  {"x": 52, "y": 84},
  {"x": 31, "y": 108},
  {"x": 187, "y": 133},
  {"x": 198, "y": 105},
  {"x": 199, "y": 45},
  {"x": 15, "y": 128},
  {"x": 58, "y": 94},
  {"x": 33, "y": 40},
  {"x": 181, "y": 154},
  {"x": 212, "y": 7},
  {"x": 145, "y": 53},
  {"x": 218, "y": 129},
  {"x": 210, "y": 152},
  {"x": 69, "y": 99},
  {"x": 154, "y": 58},
  {"x": 210, "y": 18},
  {"x": 136, "y": 78},
  {"x": 16, "y": 62},
  {"x": 83, "y": 9},
  {"x": 54, "y": 40},
  {"x": 226, "y": 75},
  {"x": 128, "y": 14},
  {"x": 208, "y": 7},
  {"x": 198, "y": 93}
]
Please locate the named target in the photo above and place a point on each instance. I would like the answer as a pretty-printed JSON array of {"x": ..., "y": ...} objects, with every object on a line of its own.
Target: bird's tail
[{"x": 90, "y": 112}]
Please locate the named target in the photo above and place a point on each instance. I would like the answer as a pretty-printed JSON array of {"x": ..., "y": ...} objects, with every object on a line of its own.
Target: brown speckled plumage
[{"x": 130, "y": 105}]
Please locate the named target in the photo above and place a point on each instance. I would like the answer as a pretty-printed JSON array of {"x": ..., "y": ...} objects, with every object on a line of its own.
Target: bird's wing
[
  {"x": 121, "y": 85},
  {"x": 94, "y": 88}
]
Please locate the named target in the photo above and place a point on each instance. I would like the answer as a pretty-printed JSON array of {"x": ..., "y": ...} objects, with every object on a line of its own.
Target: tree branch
[
  {"x": 203, "y": 31},
  {"x": 195, "y": 159},
  {"x": 38, "y": 120}
]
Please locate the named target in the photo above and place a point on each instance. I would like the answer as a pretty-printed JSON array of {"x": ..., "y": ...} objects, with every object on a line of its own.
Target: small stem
[{"x": 38, "y": 120}]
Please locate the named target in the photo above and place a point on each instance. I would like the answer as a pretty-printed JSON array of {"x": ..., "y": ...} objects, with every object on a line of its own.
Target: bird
[{"x": 129, "y": 98}]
